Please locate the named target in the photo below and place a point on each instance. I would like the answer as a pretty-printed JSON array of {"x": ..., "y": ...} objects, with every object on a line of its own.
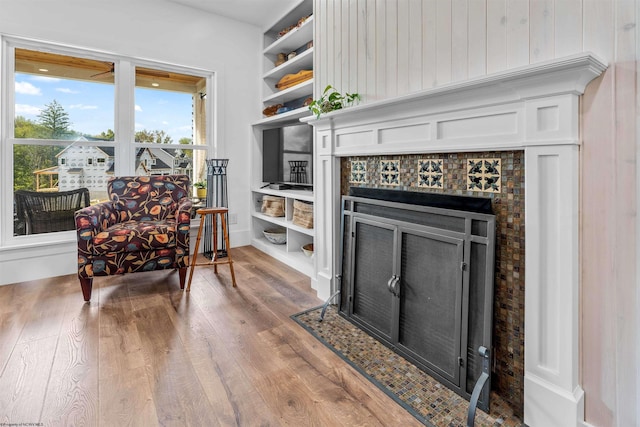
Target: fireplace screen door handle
[{"x": 393, "y": 286}]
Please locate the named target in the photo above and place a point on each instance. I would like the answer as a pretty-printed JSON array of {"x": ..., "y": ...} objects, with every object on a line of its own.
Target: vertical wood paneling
[
  {"x": 443, "y": 41},
  {"x": 459, "y": 40},
  {"x": 598, "y": 35},
  {"x": 354, "y": 52},
  {"x": 542, "y": 30},
  {"x": 477, "y": 38},
  {"x": 428, "y": 44},
  {"x": 496, "y": 35},
  {"x": 361, "y": 83},
  {"x": 598, "y": 219},
  {"x": 391, "y": 36},
  {"x": 626, "y": 193},
  {"x": 380, "y": 51},
  {"x": 336, "y": 57},
  {"x": 346, "y": 44},
  {"x": 402, "y": 47},
  {"x": 517, "y": 33},
  {"x": 371, "y": 49},
  {"x": 323, "y": 69},
  {"x": 568, "y": 27},
  {"x": 415, "y": 45}
]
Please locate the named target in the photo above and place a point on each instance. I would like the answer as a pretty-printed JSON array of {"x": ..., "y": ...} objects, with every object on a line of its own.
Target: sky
[{"x": 90, "y": 105}]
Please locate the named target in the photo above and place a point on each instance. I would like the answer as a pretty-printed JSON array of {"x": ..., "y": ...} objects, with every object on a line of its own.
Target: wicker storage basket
[
  {"x": 272, "y": 205},
  {"x": 303, "y": 214}
]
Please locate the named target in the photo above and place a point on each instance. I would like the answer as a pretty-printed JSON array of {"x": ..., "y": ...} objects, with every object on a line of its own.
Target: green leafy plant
[
  {"x": 201, "y": 185},
  {"x": 332, "y": 100}
]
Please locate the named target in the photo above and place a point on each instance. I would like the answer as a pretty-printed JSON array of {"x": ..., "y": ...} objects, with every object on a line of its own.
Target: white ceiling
[{"x": 262, "y": 13}]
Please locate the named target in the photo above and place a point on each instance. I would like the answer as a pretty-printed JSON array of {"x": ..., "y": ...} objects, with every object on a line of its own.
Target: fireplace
[
  {"x": 533, "y": 109},
  {"x": 419, "y": 278},
  {"x": 507, "y": 205}
]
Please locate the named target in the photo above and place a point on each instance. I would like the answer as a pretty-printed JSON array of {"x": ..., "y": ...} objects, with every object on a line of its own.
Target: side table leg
[
  {"x": 214, "y": 257},
  {"x": 225, "y": 233}
]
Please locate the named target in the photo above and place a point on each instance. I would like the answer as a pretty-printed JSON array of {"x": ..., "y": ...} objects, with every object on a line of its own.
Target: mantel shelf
[{"x": 568, "y": 75}]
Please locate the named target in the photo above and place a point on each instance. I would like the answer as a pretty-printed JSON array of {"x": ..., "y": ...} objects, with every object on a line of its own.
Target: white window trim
[{"x": 124, "y": 124}]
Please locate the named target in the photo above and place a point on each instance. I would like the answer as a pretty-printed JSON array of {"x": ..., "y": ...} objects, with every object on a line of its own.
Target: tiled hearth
[{"x": 464, "y": 174}]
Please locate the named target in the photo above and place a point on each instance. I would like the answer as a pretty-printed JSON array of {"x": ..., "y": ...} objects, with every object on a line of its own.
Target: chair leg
[
  {"x": 86, "y": 285},
  {"x": 182, "y": 272}
]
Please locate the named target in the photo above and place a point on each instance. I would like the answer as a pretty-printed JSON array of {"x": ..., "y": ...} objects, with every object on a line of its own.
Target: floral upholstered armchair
[{"x": 143, "y": 227}]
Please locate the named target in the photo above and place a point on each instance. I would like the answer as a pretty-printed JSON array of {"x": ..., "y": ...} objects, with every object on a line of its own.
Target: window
[
  {"x": 170, "y": 109},
  {"x": 66, "y": 134}
]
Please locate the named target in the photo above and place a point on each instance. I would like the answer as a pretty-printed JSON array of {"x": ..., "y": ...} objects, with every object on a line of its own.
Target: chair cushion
[{"x": 133, "y": 236}]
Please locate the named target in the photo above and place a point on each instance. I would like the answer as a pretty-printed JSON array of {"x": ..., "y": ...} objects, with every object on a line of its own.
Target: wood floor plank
[
  {"x": 125, "y": 397},
  {"x": 144, "y": 353},
  {"x": 176, "y": 390},
  {"x": 72, "y": 390},
  {"x": 23, "y": 383}
]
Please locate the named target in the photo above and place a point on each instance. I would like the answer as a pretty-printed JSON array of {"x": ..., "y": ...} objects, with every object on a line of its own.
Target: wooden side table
[{"x": 214, "y": 261}]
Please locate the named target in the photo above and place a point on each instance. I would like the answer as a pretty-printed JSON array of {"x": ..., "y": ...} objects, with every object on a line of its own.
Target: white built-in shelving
[
  {"x": 296, "y": 39},
  {"x": 291, "y": 252}
]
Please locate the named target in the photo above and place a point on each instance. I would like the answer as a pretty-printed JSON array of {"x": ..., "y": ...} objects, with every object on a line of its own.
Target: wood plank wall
[
  {"x": 386, "y": 48},
  {"x": 383, "y": 49}
]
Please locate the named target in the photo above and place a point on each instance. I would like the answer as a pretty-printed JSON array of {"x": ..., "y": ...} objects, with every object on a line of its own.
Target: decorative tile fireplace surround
[
  {"x": 507, "y": 205},
  {"x": 530, "y": 113}
]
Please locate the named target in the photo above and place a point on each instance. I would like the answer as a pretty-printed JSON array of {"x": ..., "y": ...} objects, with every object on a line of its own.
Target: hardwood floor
[{"x": 143, "y": 353}]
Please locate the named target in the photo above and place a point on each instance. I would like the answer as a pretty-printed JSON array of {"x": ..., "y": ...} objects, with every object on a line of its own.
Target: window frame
[{"x": 124, "y": 143}]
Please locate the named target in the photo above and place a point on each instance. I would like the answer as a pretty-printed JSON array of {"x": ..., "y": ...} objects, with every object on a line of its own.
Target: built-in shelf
[
  {"x": 304, "y": 61},
  {"x": 295, "y": 40},
  {"x": 297, "y": 236},
  {"x": 289, "y": 116},
  {"x": 292, "y": 40},
  {"x": 295, "y": 92}
]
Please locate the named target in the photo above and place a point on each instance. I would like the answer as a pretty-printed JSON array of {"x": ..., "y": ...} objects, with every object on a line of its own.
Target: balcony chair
[
  {"x": 143, "y": 227},
  {"x": 47, "y": 212}
]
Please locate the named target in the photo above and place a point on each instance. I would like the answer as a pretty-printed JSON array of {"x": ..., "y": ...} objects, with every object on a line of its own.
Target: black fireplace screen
[{"x": 420, "y": 279}]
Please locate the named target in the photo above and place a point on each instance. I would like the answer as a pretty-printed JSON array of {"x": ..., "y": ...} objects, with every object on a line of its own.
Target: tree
[
  {"x": 25, "y": 128},
  {"x": 157, "y": 136},
  {"x": 109, "y": 135},
  {"x": 55, "y": 119},
  {"x": 30, "y": 158},
  {"x": 186, "y": 141}
]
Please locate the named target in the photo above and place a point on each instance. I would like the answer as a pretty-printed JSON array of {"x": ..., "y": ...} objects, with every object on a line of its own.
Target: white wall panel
[
  {"x": 459, "y": 40},
  {"x": 380, "y": 53},
  {"x": 568, "y": 27},
  {"x": 391, "y": 47},
  {"x": 428, "y": 44},
  {"x": 517, "y": 49},
  {"x": 496, "y": 35},
  {"x": 415, "y": 45},
  {"x": 387, "y": 48},
  {"x": 542, "y": 30},
  {"x": 443, "y": 42},
  {"x": 403, "y": 53}
]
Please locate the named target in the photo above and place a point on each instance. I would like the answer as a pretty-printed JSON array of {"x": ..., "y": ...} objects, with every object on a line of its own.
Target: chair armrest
[
  {"x": 183, "y": 223},
  {"x": 92, "y": 220}
]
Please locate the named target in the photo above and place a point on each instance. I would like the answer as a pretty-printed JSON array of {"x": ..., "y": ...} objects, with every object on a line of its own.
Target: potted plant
[
  {"x": 332, "y": 100},
  {"x": 201, "y": 189}
]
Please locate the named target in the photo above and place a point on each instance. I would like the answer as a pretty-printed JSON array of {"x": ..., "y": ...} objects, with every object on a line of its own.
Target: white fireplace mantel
[{"x": 534, "y": 108}]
